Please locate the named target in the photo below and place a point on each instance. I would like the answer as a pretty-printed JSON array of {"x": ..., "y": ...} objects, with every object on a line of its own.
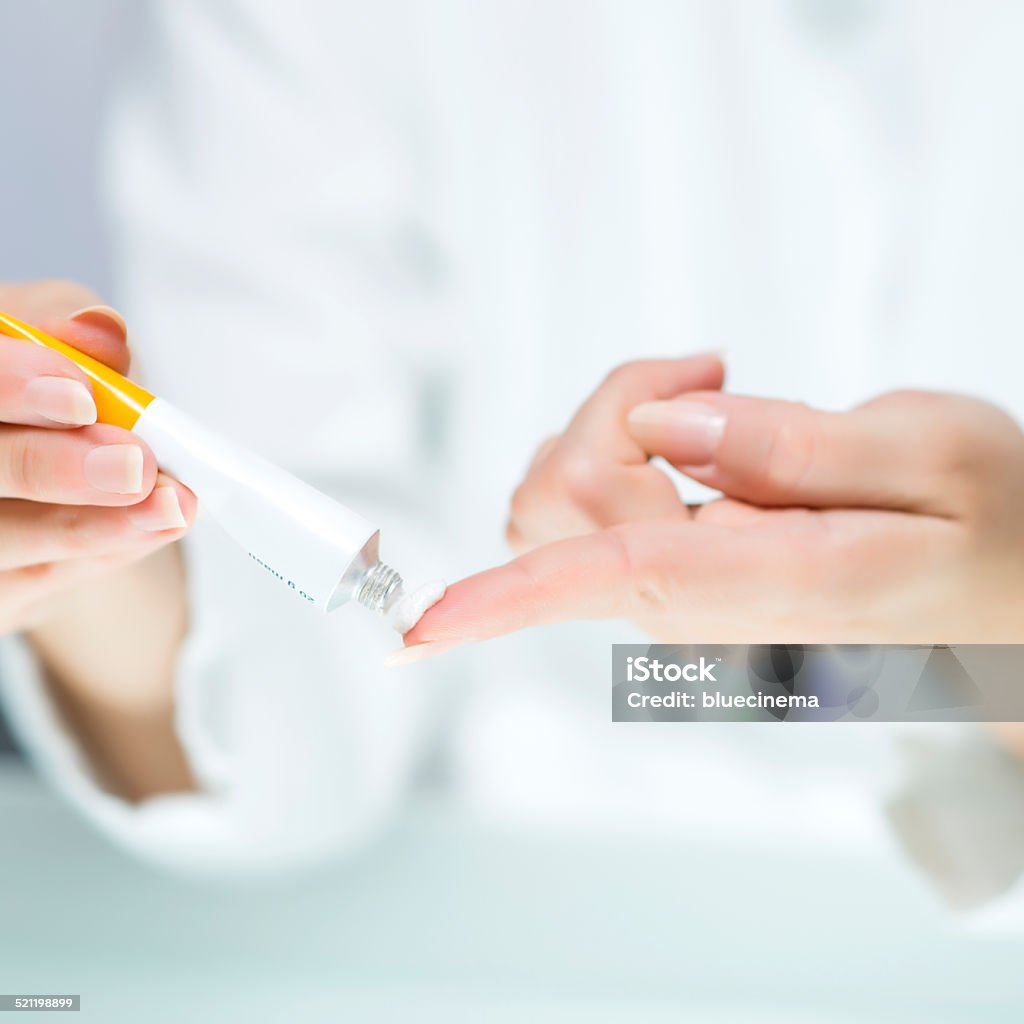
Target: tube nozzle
[{"x": 380, "y": 589}]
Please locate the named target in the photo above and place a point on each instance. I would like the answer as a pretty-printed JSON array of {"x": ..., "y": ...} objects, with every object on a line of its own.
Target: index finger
[
  {"x": 583, "y": 577},
  {"x": 616, "y": 573}
]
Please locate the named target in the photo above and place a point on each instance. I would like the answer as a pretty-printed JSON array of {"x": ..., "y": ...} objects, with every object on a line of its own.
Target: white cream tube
[{"x": 323, "y": 552}]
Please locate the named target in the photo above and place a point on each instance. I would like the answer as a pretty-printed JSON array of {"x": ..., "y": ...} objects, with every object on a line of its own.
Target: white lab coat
[{"x": 392, "y": 246}]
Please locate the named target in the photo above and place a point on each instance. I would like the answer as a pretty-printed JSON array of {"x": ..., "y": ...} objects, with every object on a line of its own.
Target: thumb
[
  {"x": 905, "y": 450},
  {"x": 74, "y": 314}
]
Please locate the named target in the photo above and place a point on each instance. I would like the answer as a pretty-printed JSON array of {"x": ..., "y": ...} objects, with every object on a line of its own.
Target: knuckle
[
  {"x": 906, "y": 400},
  {"x": 544, "y": 449},
  {"x": 580, "y": 481},
  {"x": 38, "y": 573},
  {"x": 76, "y": 528},
  {"x": 515, "y": 539},
  {"x": 951, "y": 456},
  {"x": 789, "y": 456},
  {"x": 522, "y": 503},
  {"x": 986, "y": 426},
  {"x": 651, "y": 596},
  {"x": 21, "y": 461},
  {"x": 620, "y": 374},
  {"x": 971, "y": 437},
  {"x": 959, "y": 433},
  {"x": 651, "y": 592}
]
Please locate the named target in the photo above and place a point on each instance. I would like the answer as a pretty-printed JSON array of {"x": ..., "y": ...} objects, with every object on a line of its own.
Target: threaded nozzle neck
[{"x": 380, "y": 589}]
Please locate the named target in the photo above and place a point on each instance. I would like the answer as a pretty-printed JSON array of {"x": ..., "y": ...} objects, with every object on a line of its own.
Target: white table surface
[{"x": 445, "y": 919}]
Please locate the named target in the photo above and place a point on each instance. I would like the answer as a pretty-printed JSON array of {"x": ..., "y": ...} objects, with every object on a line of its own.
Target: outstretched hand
[{"x": 899, "y": 521}]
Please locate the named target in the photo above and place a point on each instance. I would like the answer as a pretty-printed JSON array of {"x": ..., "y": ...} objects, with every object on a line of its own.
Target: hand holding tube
[
  {"x": 88, "y": 569},
  {"x": 323, "y": 552},
  {"x": 78, "y": 497}
]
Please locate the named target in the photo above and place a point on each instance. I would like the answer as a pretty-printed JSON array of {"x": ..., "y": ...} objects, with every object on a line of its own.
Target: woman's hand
[
  {"x": 76, "y": 497},
  {"x": 87, "y": 566},
  {"x": 900, "y": 521}
]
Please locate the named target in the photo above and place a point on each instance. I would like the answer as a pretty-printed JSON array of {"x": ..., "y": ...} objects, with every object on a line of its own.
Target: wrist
[{"x": 109, "y": 651}]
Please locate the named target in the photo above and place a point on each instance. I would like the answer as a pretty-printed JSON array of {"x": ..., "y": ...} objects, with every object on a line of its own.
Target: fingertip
[
  {"x": 58, "y": 401},
  {"x": 418, "y": 652},
  {"x": 104, "y": 318},
  {"x": 150, "y": 469},
  {"x": 169, "y": 508},
  {"x": 189, "y": 504},
  {"x": 582, "y": 577},
  {"x": 187, "y": 500},
  {"x": 99, "y": 331},
  {"x": 686, "y": 430},
  {"x": 118, "y": 466},
  {"x": 716, "y": 357},
  {"x": 453, "y": 619},
  {"x": 432, "y": 625}
]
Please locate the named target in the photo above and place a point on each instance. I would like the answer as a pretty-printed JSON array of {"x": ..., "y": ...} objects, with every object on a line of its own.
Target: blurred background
[
  {"x": 591, "y": 875},
  {"x": 61, "y": 232},
  {"x": 56, "y": 85}
]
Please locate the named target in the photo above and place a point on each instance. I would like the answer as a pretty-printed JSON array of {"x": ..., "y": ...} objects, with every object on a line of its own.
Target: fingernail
[
  {"x": 102, "y": 313},
  {"x": 62, "y": 400},
  {"x": 696, "y": 427},
  {"x": 417, "y": 652},
  {"x": 115, "y": 468},
  {"x": 160, "y": 511}
]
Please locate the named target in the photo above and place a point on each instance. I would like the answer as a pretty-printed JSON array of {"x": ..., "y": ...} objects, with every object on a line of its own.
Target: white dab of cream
[{"x": 411, "y": 608}]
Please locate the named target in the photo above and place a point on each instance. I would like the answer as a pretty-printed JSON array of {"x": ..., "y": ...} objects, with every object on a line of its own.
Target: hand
[
  {"x": 78, "y": 498},
  {"x": 899, "y": 521},
  {"x": 87, "y": 563}
]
